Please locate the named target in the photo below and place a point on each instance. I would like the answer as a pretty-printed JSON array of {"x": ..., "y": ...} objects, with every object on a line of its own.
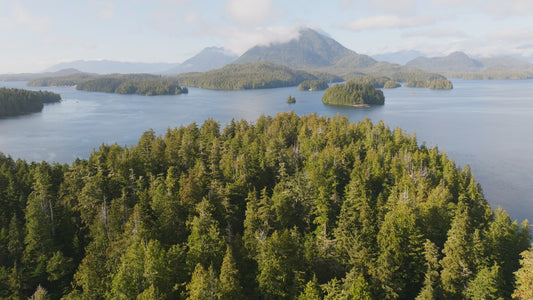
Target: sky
[{"x": 37, "y": 34}]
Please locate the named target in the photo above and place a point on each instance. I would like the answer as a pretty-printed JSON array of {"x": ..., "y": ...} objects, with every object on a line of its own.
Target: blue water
[{"x": 487, "y": 124}]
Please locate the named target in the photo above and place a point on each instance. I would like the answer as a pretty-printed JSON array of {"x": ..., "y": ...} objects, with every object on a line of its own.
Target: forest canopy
[
  {"x": 287, "y": 207},
  {"x": 14, "y": 102},
  {"x": 258, "y": 75},
  {"x": 141, "y": 84},
  {"x": 353, "y": 93}
]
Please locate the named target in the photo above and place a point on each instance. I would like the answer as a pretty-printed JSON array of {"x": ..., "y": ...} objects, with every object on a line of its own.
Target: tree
[
  {"x": 524, "y": 277},
  {"x": 431, "y": 288},
  {"x": 486, "y": 285},
  {"x": 203, "y": 284},
  {"x": 204, "y": 242},
  {"x": 229, "y": 285}
]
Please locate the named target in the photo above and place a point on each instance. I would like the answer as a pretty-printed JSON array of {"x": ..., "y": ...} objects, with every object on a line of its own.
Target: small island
[
  {"x": 313, "y": 85},
  {"x": 434, "y": 84},
  {"x": 16, "y": 102},
  {"x": 291, "y": 100},
  {"x": 353, "y": 93}
]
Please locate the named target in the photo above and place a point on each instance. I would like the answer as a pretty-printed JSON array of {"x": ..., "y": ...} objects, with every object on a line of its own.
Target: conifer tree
[{"x": 229, "y": 285}]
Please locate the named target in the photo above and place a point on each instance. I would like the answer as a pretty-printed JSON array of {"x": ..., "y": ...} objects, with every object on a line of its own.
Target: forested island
[
  {"x": 377, "y": 82},
  {"x": 313, "y": 85},
  {"x": 14, "y": 102},
  {"x": 140, "y": 84},
  {"x": 258, "y": 75},
  {"x": 353, "y": 93},
  {"x": 285, "y": 208}
]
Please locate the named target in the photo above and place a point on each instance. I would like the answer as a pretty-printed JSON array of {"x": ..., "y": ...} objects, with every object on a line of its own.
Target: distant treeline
[
  {"x": 423, "y": 80},
  {"x": 377, "y": 82},
  {"x": 14, "y": 102},
  {"x": 353, "y": 93},
  {"x": 313, "y": 85},
  {"x": 258, "y": 75},
  {"x": 141, "y": 84}
]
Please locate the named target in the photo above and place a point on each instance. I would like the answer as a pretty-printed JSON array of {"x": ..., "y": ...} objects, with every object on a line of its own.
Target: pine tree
[
  {"x": 524, "y": 277},
  {"x": 431, "y": 289},
  {"x": 229, "y": 288}
]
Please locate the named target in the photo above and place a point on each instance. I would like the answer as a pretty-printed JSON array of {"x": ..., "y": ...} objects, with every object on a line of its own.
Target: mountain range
[{"x": 208, "y": 59}]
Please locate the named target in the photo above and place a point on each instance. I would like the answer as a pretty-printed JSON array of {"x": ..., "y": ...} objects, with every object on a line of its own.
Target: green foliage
[
  {"x": 258, "y": 75},
  {"x": 524, "y": 277},
  {"x": 291, "y": 100},
  {"x": 377, "y": 82},
  {"x": 140, "y": 84},
  {"x": 435, "y": 84},
  {"x": 313, "y": 85},
  {"x": 353, "y": 93},
  {"x": 14, "y": 102},
  {"x": 287, "y": 207}
]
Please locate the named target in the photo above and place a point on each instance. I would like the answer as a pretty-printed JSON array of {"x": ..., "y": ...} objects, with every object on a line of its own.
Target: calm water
[{"x": 487, "y": 124}]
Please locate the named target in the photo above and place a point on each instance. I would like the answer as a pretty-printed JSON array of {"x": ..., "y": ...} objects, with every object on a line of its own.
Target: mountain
[
  {"x": 399, "y": 57},
  {"x": 208, "y": 59},
  {"x": 311, "y": 50},
  {"x": 459, "y": 62},
  {"x": 109, "y": 67},
  {"x": 455, "y": 62}
]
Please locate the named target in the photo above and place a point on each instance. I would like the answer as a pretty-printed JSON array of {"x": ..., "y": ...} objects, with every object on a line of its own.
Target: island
[
  {"x": 379, "y": 82},
  {"x": 353, "y": 93},
  {"x": 140, "y": 84},
  {"x": 291, "y": 100},
  {"x": 313, "y": 85},
  {"x": 434, "y": 84},
  {"x": 15, "y": 102},
  {"x": 256, "y": 75}
]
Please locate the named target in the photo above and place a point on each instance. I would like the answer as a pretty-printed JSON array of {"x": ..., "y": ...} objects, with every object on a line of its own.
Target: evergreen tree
[
  {"x": 524, "y": 277},
  {"x": 229, "y": 287}
]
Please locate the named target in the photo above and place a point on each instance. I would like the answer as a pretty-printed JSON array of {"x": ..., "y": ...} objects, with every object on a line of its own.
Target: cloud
[
  {"x": 20, "y": 17},
  {"x": 510, "y": 8},
  {"x": 239, "y": 40},
  {"x": 248, "y": 12},
  {"x": 388, "y": 22},
  {"x": 107, "y": 13},
  {"x": 436, "y": 33},
  {"x": 395, "y": 6}
]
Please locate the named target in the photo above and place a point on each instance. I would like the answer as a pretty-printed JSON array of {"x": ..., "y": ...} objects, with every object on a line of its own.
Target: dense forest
[
  {"x": 353, "y": 93},
  {"x": 14, "y": 102},
  {"x": 258, "y": 75},
  {"x": 377, "y": 82},
  {"x": 287, "y": 208},
  {"x": 313, "y": 85},
  {"x": 141, "y": 84},
  {"x": 436, "y": 84}
]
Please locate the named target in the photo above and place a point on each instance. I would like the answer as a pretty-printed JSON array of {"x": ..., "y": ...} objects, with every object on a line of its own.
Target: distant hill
[
  {"x": 256, "y": 75},
  {"x": 110, "y": 67},
  {"x": 399, "y": 57},
  {"x": 34, "y": 76},
  {"x": 460, "y": 65},
  {"x": 455, "y": 62},
  {"x": 208, "y": 59}
]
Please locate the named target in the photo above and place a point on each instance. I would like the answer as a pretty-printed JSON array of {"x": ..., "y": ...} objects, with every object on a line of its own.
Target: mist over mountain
[
  {"x": 209, "y": 58},
  {"x": 311, "y": 50}
]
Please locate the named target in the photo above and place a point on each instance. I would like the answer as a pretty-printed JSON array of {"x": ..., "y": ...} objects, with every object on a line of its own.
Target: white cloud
[
  {"x": 388, "y": 22},
  {"x": 248, "y": 12},
  {"x": 436, "y": 33},
  {"x": 510, "y": 7},
  {"x": 240, "y": 40},
  {"x": 20, "y": 17},
  {"x": 108, "y": 12}
]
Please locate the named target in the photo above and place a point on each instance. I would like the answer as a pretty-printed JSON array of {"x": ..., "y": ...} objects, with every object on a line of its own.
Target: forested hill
[
  {"x": 286, "y": 208},
  {"x": 14, "y": 102},
  {"x": 250, "y": 76}
]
